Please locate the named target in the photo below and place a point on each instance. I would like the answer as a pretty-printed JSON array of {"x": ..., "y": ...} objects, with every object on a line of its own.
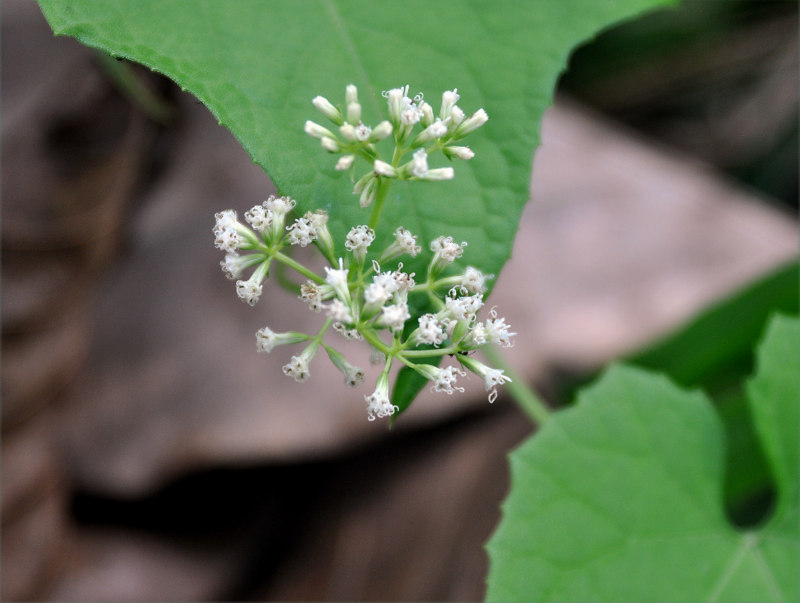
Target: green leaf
[
  {"x": 257, "y": 65},
  {"x": 620, "y": 497}
]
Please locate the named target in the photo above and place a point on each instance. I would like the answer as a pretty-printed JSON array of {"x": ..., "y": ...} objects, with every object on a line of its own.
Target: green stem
[
  {"x": 284, "y": 281},
  {"x": 523, "y": 395},
  {"x": 427, "y": 353},
  {"x": 380, "y": 197},
  {"x": 376, "y": 341},
  {"x": 285, "y": 259}
]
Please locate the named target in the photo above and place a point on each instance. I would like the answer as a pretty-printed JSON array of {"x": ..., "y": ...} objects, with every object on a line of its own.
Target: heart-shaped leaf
[{"x": 620, "y": 497}]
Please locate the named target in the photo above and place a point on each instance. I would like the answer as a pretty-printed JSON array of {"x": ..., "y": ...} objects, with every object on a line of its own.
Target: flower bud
[{"x": 324, "y": 106}]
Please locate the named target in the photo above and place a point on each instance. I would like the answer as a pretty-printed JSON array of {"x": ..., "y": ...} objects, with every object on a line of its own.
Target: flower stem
[
  {"x": 285, "y": 259},
  {"x": 523, "y": 395},
  {"x": 380, "y": 197}
]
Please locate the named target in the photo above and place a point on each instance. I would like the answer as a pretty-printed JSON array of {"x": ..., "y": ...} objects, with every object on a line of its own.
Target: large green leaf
[
  {"x": 258, "y": 64},
  {"x": 620, "y": 497}
]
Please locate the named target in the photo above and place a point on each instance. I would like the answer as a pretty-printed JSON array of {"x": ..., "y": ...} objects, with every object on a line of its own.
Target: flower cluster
[
  {"x": 364, "y": 293},
  {"x": 414, "y": 128}
]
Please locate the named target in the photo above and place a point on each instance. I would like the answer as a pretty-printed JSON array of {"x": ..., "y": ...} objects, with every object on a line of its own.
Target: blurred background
[{"x": 148, "y": 453}]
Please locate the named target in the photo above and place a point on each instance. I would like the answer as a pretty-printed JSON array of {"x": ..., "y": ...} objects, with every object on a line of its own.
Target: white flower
[
  {"x": 301, "y": 232},
  {"x": 249, "y": 291},
  {"x": 419, "y": 164},
  {"x": 378, "y": 404},
  {"x": 476, "y": 336},
  {"x": 492, "y": 377},
  {"x": 358, "y": 240},
  {"x": 475, "y": 121},
  {"x": 436, "y": 130},
  {"x": 381, "y": 289},
  {"x": 353, "y": 376},
  {"x": 229, "y": 233},
  {"x": 297, "y": 368},
  {"x": 314, "y": 294},
  {"x": 395, "y": 316},
  {"x": 234, "y": 264},
  {"x": 259, "y": 217},
  {"x": 279, "y": 206},
  {"x": 464, "y": 153},
  {"x": 449, "y": 99},
  {"x": 363, "y": 132},
  {"x": 403, "y": 281},
  {"x": 445, "y": 251},
  {"x": 317, "y": 131},
  {"x": 498, "y": 332},
  {"x": 267, "y": 339},
  {"x": 325, "y": 107},
  {"x": 384, "y": 169},
  {"x": 367, "y": 187},
  {"x": 464, "y": 308},
  {"x": 418, "y": 168},
  {"x": 338, "y": 311},
  {"x": 456, "y": 117},
  {"x": 404, "y": 242},
  {"x": 329, "y": 144},
  {"x": 430, "y": 330},
  {"x": 345, "y": 162},
  {"x": 337, "y": 278},
  {"x": 474, "y": 280},
  {"x": 351, "y": 334},
  {"x": 381, "y": 131},
  {"x": 446, "y": 380}
]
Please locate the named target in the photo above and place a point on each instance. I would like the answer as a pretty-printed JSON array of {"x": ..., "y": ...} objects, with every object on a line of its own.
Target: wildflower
[
  {"x": 378, "y": 404},
  {"x": 249, "y": 291},
  {"x": 367, "y": 187},
  {"x": 267, "y": 339},
  {"x": 345, "y": 162},
  {"x": 381, "y": 131},
  {"x": 492, "y": 377},
  {"x": 234, "y": 264},
  {"x": 351, "y": 334},
  {"x": 324, "y": 106},
  {"x": 353, "y": 376},
  {"x": 430, "y": 330},
  {"x": 317, "y": 131},
  {"x": 297, "y": 368},
  {"x": 384, "y": 169},
  {"x": 472, "y": 123},
  {"x": 474, "y": 280},
  {"x": 497, "y": 331},
  {"x": 449, "y": 99},
  {"x": 337, "y": 279},
  {"x": 436, "y": 130},
  {"x": 444, "y": 379},
  {"x": 301, "y": 232},
  {"x": 319, "y": 223},
  {"x": 463, "y": 308},
  {"x": 229, "y": 233},
  {"x": 278, "y": 207},
  {"x": 404, "y": 242},
  {"x": 463, "y": 153},
  {"x": 314, "y": 294},
  {"x": 445, "y": 251},
  {"x": 358, "y": 240},
  {"x": 395, "y": 316},
  {"x": 338, "y": 311}
]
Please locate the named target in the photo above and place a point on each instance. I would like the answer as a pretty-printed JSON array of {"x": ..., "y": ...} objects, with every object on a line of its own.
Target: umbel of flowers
[{"x": 368, "y": 299}]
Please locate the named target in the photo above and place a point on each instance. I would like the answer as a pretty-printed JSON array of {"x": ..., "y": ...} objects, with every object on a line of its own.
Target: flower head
[{"x": 378, "y": 403}]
